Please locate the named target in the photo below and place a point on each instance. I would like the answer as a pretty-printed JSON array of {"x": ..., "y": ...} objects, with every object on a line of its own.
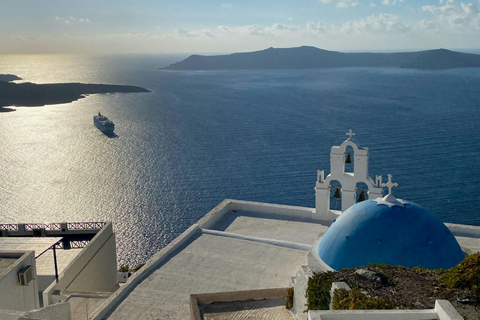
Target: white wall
[
  {"x": 279, "y": 209},
  {"x": 13, "y": 296},
  {"x": 93, "y": 270}
]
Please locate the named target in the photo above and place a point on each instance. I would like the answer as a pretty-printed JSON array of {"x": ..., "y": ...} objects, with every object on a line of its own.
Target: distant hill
[
  {"x": 31, "y": 94},
  {"x": 310, "y": 57}
]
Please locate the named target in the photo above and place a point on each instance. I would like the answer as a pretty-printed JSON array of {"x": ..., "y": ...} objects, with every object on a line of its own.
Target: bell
[
  {"x": 337, "y": 193},
  {"x": 361, "y": 196},
  {"x": 349, "y": 159}
]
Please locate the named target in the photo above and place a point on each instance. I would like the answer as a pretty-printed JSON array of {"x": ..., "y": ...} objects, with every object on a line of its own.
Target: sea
[{"x": 200, "y": 137}]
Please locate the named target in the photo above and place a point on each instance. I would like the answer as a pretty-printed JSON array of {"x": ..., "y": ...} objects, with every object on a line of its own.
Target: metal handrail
[{"x": 53, "y": 246}]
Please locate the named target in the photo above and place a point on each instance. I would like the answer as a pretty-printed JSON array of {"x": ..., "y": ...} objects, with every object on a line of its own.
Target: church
[
  {"x": 240, "y": 259},
  {"x": 380, "y": 229}
]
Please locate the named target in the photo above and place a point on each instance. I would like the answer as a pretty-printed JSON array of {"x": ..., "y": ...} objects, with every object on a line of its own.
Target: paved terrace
[
  {"x": 44, "y": 263},
  {"x": 230, "y": 249},
  {"x": 237, "y": 246},
  {"x": 40, "y": 237}
]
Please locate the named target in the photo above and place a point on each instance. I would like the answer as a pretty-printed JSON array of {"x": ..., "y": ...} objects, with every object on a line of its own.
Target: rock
[{"x": 372, "y": 276}]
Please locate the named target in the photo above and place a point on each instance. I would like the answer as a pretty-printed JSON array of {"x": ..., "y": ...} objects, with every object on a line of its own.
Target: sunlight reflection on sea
[{"x": 201, "y": 137}]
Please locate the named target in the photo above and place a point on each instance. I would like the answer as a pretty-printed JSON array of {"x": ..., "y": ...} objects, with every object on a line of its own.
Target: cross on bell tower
[{"x": 350, "y": 134}]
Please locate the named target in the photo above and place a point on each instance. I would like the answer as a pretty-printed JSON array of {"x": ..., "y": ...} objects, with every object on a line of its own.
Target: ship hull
[
  {"x": 103, "y": 128},
  {"x": 103, "y": 124}
]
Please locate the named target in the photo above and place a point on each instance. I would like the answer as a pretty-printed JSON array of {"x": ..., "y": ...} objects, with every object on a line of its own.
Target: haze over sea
[{"x": 203, "y": 136}]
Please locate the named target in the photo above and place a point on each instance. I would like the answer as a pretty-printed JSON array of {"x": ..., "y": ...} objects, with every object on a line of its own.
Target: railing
[
  {"x": 85, "y": 225},
  {"x": 45, "y": 226},
  {"x": 80, "y": 312},
  {"x": 9, "y": 227},
  {"x": 53, "y": 247},
  {"x": 78, "y": 244},
  {"x": 53, "y": 226}
]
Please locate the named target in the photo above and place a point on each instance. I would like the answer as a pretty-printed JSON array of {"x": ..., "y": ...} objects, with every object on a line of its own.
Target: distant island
[
  {"x": 9, "y": 77},
  {"x": 35, "y": 95},
  {"x": 310, "y": 57}
]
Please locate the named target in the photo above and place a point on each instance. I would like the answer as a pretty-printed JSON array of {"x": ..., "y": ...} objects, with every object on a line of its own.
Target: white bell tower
[{"x": 347, "y": 180}]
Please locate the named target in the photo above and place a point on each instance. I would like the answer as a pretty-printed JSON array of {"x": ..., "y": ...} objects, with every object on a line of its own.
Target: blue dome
[{"x": 403, "y": 234}]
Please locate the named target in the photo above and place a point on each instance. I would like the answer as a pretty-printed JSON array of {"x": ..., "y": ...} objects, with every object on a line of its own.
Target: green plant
[
  {"x": 289, "y": 298},
  {"x": 123, "y": 268},
  {"x": 356, "y": 300},
  {"x": 138, "y": 267},
  {"x": 425, "y": 270},
  {"x": 465, "y": 275},
  {"x": 318, "y": 291}
]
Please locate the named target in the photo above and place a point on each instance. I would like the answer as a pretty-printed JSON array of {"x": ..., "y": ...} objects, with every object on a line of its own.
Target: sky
[{"x": 210, "y": 26}]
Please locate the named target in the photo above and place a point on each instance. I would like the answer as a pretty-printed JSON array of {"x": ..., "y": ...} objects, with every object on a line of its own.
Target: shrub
[
  {"x": 138, "y": 267},
  {"x": 356, "y": 300},
  {"x": 289, "y": 299},
  {"x": 123, "y": 268},
  {"x": 465, "y": 275},
  {"x": 318, "y": 291}
]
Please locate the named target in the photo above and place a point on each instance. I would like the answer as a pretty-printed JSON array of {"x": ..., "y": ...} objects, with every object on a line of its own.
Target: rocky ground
[{"x": 411, "y": 289}]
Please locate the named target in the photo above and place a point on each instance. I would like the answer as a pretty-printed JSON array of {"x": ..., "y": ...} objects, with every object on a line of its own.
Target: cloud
[
  {"x": 227, "y": 5},
  {"x": 445, "y": 24},
  {"x": 375, "y": 24},
  {"x": 440, "y": 28},
  {"x": 454, "y": 18},
  {"x": 71, "y": 19},
  {"x": 274, "y": 30},
  {"x": 390, "y": 2},
  {"x": 342, "y": 3},
  {"x": 319, "y": 27},
  {"x": 382, "y": 23},
  {"x": 189, "y": 33}
]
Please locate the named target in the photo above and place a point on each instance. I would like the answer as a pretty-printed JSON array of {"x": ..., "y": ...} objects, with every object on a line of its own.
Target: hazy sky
[{"x": 207, "y": 26}]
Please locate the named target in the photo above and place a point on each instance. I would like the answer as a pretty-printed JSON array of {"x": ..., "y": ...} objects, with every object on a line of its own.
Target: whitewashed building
[{"x": 55, "y": 270}]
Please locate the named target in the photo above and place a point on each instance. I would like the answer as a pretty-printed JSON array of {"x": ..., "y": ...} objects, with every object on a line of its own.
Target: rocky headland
[{"x": 35, "y": 95}]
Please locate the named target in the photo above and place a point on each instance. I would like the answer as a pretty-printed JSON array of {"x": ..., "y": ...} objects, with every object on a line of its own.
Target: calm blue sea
[{"x": 200, "y": 137}]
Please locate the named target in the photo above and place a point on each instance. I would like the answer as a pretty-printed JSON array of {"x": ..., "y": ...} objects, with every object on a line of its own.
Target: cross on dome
[
  {"x": 389, "y": 199},
  {"x": 390, "y": 184},
  {"x": 350, "y": 134}
]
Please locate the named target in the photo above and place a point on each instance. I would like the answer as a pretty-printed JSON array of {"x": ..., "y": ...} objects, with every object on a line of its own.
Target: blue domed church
[{"x": 372, "y": 228}]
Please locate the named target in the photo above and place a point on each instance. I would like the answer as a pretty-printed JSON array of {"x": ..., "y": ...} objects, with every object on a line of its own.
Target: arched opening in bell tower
[
  {"x": 335, "y": 196},
  {"x": 361, "y": 192},
  {"x": 349, "y": 160}
]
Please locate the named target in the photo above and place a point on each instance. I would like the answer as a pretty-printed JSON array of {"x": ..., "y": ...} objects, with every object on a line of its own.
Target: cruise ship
[{"x": 103, "y": 123}]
